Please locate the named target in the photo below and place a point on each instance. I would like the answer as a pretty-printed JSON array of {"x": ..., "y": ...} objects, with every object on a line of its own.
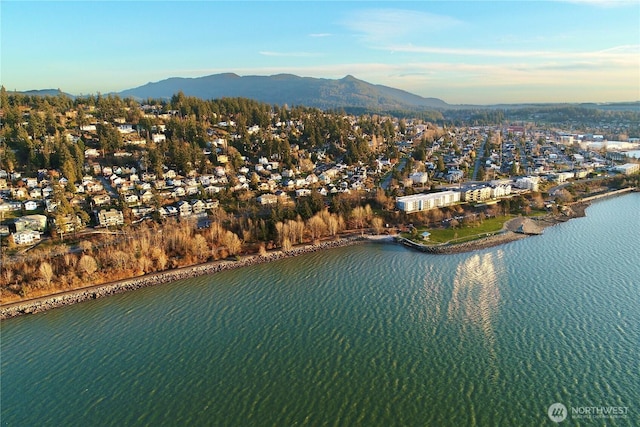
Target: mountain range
[
  {"x": 280, "y": 89},
  {"x": 348, "y": 93}
]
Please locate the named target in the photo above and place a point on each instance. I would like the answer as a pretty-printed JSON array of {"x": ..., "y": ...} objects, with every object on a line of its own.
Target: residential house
[
  {"x": 211, "y": 204},
  {"x": 419, "y": 178},
  {"x": 26, "y": 237},
  {"x": 31, "y": 182},
  {"x": 51, "y": 205},
  {"x": 94, "y": 187},
  {"x": 178, "y": 192},
  {"x": 564, "y": 176},
  {"x": 131, "y": 199},
  {"x": 35, "y": 193},
  {"x": 68, "y": 223},
  {"x": 268, "y": 199},
  {"x": 19, "y": 193},
  {"x": 111, "y": 217},
  {"x": 91, "y": 153},
  {"x": 31, "y": 222},
  {"x": 101, "y": 199},
  {"x": 212, "y": 189},
  {"x": 30, "y": 205},
  {"x": 198, "y": 206},
  {"x": 142, "y": 211},
  {"x": 191, "y": 190},
  {"x": 184, "y": 208},
  {"x": 146, "y": 197}
]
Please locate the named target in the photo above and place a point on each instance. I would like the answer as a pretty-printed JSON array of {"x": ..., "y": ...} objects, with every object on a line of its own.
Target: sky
[{"x": 463, "y": 52}]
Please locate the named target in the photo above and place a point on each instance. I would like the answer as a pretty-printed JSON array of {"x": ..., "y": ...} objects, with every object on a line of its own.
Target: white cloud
[
  {"x": 320, "y": 35},
  {"x": 385, "y": 25},
  {"x": 624, "y": 53}
]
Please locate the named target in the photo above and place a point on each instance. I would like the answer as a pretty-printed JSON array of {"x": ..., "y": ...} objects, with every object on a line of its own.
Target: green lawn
[{"x": 461, "y": 233}]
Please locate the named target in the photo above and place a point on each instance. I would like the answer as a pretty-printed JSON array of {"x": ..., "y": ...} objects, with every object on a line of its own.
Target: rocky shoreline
[
  {"x": 41, "y": 304},
  {"x": 513, "y": 230}
]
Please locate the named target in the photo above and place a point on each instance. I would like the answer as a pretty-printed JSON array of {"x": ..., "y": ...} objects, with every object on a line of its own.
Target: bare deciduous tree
[
  {"x": 232, "y": 242},
  {"x": 46, "y": 272},
  {"x": 85, "y": 246},
  {"x": 87, "y": 265},
  {"x": 317, "y": 226},
  {"x": 199, "y": 247},
  {"x": 377, "y": 224}
]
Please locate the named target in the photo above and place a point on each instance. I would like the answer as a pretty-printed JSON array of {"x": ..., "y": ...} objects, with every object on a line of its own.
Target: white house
[
  {"x": 419, "y": 178},
  {"x": 30, "y": 205},
  {"x": 158, "y": 137},
  {"x": 26, "y": 237},
  {"x": 91, "y": 152},
  {"x": 185, "y": 208},
  {"x": 198, "y": 206},
  {"x": 30, "y": 222}
]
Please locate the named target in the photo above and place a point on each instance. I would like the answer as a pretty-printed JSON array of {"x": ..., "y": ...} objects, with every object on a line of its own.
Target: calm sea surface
[{"x": 371, "y": 335}]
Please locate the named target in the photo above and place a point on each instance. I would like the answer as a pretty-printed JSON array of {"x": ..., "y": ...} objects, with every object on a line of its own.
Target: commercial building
[{"x": 628, "y": 168}]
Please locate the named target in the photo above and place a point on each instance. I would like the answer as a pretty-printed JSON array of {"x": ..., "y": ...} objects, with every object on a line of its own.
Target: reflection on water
[
  {"x": 475, "y": 295},
  {"x": 475, "y": 298}
]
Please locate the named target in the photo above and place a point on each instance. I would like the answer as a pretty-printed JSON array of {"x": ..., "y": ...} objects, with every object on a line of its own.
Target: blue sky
[{"x": 476, "y": 52}]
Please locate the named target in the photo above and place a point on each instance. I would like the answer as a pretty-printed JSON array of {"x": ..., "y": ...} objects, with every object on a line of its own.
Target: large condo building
[{"x": 424, "y": 202}]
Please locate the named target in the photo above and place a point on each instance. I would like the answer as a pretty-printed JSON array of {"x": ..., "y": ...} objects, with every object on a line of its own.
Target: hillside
[
  {"x": 348, "y": 92},
  {"x": 43, "y": 92}
]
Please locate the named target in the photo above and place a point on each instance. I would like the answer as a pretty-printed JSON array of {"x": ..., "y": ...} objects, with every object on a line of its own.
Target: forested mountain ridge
[{"x": 280, "y": 89}]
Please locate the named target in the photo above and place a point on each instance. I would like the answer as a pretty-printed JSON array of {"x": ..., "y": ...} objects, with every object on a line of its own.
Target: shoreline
[
  {"x": 515, "y": 228},
  {"x": 61, "y": 299},
  {"x": 508, "y": 234}
]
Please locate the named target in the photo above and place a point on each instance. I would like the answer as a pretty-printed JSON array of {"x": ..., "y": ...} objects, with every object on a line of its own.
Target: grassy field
[{"x": 461, "y": 233}]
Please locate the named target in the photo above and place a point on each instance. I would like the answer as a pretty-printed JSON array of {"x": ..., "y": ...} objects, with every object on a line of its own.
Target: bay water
[{"x": 371, "y": 335}]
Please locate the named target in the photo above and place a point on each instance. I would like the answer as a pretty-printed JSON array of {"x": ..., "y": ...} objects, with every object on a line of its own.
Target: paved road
[
  {"x": 524, "y": 162},
  {"x": 479, "y": 157},
  {"x": 384, "y": 184}
]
